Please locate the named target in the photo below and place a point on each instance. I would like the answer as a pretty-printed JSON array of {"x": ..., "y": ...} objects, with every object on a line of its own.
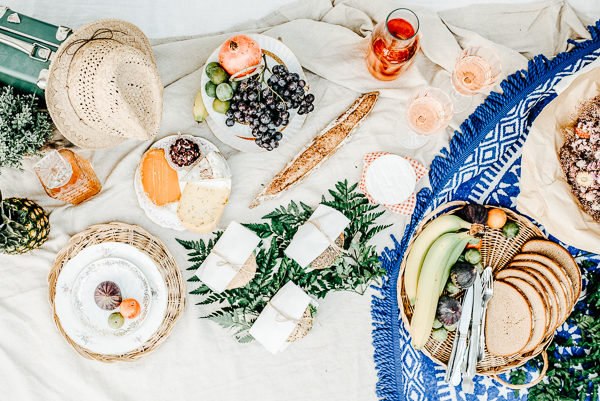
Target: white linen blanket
[{"x": 200, "y": 360}]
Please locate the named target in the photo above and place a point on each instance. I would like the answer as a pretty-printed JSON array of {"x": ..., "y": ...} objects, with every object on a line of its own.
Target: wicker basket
[
  {"x": 144, "y": 241},
  {"x": 496, "y": 251}
]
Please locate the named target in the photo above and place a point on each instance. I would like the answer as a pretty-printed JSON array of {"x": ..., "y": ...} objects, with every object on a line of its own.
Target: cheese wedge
[
  {"x": 201, "y": 205},
  {"x": 159, "y": 180}
]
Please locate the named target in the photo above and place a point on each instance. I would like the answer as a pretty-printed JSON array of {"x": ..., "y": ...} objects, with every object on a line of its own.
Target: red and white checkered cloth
[{"x": 406, "y": 208}]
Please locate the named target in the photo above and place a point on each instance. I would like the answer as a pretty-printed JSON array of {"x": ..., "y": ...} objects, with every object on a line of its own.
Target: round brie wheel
[{"x": 390, "y": 179}]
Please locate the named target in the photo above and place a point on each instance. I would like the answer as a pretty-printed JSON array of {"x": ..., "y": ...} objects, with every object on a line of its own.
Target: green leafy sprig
[
  {"x": 237, "y": 309},
  {"x": 23, "y": 128}
]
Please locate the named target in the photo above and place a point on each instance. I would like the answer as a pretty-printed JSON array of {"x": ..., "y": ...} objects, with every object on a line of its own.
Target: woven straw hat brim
[{"x": 59, "y": 105}]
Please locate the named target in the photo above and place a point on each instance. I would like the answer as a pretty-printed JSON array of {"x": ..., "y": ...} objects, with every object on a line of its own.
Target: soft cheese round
[{"x": 390, "y": 179}]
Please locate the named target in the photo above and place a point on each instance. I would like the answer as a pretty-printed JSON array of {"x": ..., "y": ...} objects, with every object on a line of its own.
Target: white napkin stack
[
  {"x": 274, "y": 324},
  {"x": 236, "y": 244},
  {"x": 309, "y": 242}
]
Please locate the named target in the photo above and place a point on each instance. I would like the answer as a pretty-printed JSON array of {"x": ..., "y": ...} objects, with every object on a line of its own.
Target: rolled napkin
[
  {"x": 317, "y": 234},
  {"x": 280, "y": 318},
  {"x": 228, "y": 257}
]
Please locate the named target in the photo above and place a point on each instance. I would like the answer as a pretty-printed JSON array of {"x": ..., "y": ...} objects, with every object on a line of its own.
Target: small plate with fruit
[
  {"x": 103, "y": 291},
  {"x": 110, "y": 298},
  {"x": 254, "y": 93},
  {"x": 183, "y": 182}
]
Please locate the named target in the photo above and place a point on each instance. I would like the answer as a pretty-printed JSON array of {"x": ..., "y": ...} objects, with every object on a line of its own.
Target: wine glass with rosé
[
  {"x": 394, "y": 44},
  {"x": 477, "y": 69},
  {"x": 428, "y": 111}
]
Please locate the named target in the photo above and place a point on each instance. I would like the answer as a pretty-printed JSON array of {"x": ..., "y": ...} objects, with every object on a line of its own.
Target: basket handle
[{"x": 530, "y": 384}]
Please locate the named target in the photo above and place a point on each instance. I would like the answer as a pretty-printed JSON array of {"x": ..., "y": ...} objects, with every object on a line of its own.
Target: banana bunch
[{"x": 435, "y": 250}]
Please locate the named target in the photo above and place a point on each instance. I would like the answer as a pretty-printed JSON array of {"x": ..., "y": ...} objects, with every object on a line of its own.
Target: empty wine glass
[
  {"x": 476, "y": 70},
  {"x": 428, "y": 111}
]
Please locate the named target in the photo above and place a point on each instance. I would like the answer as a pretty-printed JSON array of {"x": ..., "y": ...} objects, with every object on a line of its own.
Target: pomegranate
[{"x": 239, "y": 52}]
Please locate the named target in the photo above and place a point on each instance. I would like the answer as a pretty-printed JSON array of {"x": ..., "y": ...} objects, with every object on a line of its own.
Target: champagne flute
[
  {"x": 428, "y": 111},
  {"x": 476, "y": 70}
]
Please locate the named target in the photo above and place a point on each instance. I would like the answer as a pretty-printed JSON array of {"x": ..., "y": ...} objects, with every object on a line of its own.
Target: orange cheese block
[{"x": 159, "y": 179}]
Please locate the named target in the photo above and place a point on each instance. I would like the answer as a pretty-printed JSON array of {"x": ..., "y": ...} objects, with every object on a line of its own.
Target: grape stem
[{"x": 262, "y": 79}]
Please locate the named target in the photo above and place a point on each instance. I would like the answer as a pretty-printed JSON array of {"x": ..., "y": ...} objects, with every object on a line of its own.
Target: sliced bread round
[
  {"x": 561, "y": 256},
  {"x": 508, "y": 321},
  {"x": 554, "y": 268},
  {"x": 564, "y": 303},
  {"x": 544, "y": 289},
  {"x": 537, "y": 308}
]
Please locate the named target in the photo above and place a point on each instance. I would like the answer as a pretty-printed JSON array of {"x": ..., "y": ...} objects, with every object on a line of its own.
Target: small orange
[
  {"x": 496, "y": 218},
  {"x": 129, "y": 308},
  {"x": 475, "y": 246}
]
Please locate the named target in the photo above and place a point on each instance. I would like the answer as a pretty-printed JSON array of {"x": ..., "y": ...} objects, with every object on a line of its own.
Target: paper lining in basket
[
  {"x": 230, "y": 257},
  {"x": 284, "y": 313},
  {"x": 405, "y": 208},
  {"x": 320, "y": 232}
]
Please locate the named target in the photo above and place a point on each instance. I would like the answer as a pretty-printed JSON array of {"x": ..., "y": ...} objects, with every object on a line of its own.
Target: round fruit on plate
[{"x": 254, "y": 92}]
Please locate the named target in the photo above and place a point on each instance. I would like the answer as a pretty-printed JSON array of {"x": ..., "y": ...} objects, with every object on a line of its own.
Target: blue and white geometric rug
[{"x": 481, "y": 164}]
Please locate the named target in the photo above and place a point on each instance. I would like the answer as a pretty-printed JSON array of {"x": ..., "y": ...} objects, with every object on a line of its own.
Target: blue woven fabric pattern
[{"x": 482, "y": 165}]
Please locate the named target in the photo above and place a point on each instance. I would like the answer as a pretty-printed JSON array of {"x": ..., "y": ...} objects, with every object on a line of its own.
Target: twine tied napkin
[
  {"x": 319, "y": 232},
  {"x": 280, "y": 317},
  {"x": 227, "y": 257},
  {"x": 405, "y": 208}
]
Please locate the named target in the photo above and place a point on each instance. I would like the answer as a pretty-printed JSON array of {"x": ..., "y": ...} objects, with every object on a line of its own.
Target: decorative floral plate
[
  {"x": 135, "y": 272},
  {"x": 130, "y": 280},
  {"x": 240, "y": 136},
  {"x": 210, "y": 158}
]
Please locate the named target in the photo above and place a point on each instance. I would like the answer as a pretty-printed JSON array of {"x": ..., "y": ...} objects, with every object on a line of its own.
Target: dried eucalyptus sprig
[
  {"x": 23, "y": 128},
  {"x": 237, "y": 309}
]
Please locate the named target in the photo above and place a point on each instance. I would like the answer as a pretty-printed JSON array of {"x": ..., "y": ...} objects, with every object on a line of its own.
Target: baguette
[{"x": 322, "y": 147}]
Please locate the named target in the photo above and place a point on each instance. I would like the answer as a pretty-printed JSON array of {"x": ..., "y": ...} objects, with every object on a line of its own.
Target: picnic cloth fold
[{"x": 335, "y": 362}]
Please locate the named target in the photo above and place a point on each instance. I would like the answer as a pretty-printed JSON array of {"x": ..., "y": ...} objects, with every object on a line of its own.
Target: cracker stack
[{"x": 533, "y": 295}]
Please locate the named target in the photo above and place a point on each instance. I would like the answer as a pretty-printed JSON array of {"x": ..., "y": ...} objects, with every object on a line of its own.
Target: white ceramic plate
[
  {"x": 390, "y": 179},
  {"x": 166, "y": 216},
  {"x": 130, "y": 280},
  {"x": 240, "y": 136},
  {"x": 112, "y": 342}
]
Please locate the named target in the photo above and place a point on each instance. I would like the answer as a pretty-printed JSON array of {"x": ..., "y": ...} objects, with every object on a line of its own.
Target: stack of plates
[{"x": 142, "y": 268}]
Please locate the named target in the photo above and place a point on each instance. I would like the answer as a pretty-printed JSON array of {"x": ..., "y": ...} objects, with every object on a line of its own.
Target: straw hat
[{"x": 103, "y": 86}]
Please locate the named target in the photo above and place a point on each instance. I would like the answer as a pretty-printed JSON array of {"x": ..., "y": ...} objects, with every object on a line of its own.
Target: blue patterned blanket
[{"x": 481, "y": 164}]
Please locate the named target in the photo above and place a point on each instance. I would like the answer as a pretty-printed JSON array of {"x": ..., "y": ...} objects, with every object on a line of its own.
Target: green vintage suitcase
[{"x": 27, "y": 46}]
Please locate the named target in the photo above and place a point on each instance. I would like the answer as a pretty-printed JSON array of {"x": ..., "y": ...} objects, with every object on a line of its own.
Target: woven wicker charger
[
  {"x": 496, "y": 251},
  {"x": 138, "y": 237}
]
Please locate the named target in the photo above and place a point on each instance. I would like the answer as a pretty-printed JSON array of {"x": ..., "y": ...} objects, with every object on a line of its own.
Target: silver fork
[{"x": 488, "y": 292}]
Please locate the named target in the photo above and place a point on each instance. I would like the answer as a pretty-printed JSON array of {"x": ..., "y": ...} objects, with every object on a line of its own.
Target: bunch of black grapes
[{"x": 267, "y": 108}]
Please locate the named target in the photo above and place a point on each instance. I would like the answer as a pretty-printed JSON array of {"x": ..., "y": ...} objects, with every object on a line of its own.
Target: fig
[
  {"x": 462, "y": 275},
  {"x": 473, "y": 256},
  {"x": 439, "y": 335},
  {"x": 510, "y": 229},
  {"x": 107, "y": 295},
  {"x": 448, "y": 310},
  {"x": 451, "y": 288},
  {"x": 115, "y": 320},
  {"x": 474, "y": 213}
]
